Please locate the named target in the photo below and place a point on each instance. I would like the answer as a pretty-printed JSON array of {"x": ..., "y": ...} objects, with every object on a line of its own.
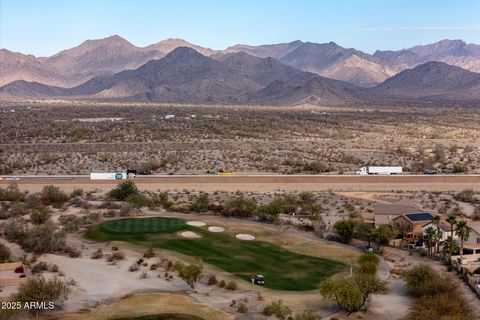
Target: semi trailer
[
  {"x": 363, "y": 171},
  {"x": 118, "y": 175}
]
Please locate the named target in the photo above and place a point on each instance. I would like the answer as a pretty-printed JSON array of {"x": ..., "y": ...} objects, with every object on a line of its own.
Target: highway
[{"x": 263, "y": 183}]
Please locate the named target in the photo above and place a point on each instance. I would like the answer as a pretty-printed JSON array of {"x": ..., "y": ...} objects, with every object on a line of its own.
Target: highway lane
[{"x": 255, "y": 179}]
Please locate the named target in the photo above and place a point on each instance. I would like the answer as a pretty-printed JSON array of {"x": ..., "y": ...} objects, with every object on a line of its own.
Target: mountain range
[{"x": 174, "y": 70}]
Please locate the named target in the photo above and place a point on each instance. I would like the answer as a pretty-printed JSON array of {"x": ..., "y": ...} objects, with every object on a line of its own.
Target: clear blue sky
[{"x": 43, "y": 27}]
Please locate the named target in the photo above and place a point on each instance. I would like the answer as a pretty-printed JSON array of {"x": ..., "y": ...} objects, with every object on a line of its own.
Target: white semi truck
[
  {"x": 363, "y": 171},
  {"x": 118, "y": 175}
]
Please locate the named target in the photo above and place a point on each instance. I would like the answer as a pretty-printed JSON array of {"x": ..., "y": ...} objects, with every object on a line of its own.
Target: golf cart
[{"x": 259, "y": 280}]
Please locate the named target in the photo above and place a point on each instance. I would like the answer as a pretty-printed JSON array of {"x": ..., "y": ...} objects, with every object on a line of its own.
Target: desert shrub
[
  {"x": 72, "y": 252},
  {"x": 52, "y": 195},
  {"x": 467, "y": 195},
  {"x": 149, "y": 253},
  {"x": 11, "y": 193},
  {"x": 124, "y": 190},
  {"x": 39, "y": 267},
  {"x": 460, "y": 167},
  {"x": 277, "y": 309},
  {"x": 115, "y": 256},
  {"x": 242, "y": 307},
  {"x": 222, "y": 284},
  {"x": 97, "y": 254},
  {"x": 40, "y": 215},
  {"x": 18, "y": 209},
  {"x": 125, "y": 210},
  {"x": 231, "y": 285},
  {"x": 33, "y": 201},
  {"x": 162, "y": 199},
  {"x": 307, "y": 315},
  {"x": 14, "y": 229},
  {"x": 180, "y": 207},
  {"x": 70, "y": 222},
  {"x": 134, "y": 267},
  {"x": 5, "y": 253},
  {"x": 77, "y": 192},
  {"x": 271, "y": 210},
  {"x": 154, "y": 266},
  {"x": 240, "y": 207},
  {"x": 45, "y": 238},
  {"x": 200, "y": 203},
  {"x": 315, "y": 167},
  {"x": 439, "y": 306},
  {"x": 212, "y": 280},
  {"x": 437, "y": 296},
  {"x": 138, "y": 200},
  {"x": 39, "y": 289}
]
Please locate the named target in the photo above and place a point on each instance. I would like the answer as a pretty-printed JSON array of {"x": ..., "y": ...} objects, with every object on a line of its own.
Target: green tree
[
  {"x": 365, "y": 231},
  {"x": 353, "y": 293},
  {"x": 368, "y": 263},
  {"x": 190, "y": 273},
  {"x": 430, "y": 237},
  {"x": 463, "y": 232},
  {"x": 450, "y": 246},
  {"x": 383, "y": 234},
  {"x": 345, "y": 229},
  {"x": 124, "y": 190},
  {"x": 452, "y": 220}
]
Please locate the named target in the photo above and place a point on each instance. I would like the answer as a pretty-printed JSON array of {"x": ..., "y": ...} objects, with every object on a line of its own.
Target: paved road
[
  {"x": 263, "y": 183},
  {"x": 258, "y": 179}
]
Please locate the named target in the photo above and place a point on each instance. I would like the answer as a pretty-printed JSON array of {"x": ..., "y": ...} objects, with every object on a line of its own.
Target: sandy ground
[
  {"x": 216, "y": 229},
  {"x": 243, "y": 236},
  {"x": 190, "y": 235},
  {"x": 196, "y": 223}
]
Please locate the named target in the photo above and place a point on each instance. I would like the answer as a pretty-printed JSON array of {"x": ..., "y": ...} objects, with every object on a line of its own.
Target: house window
[{"x": 478, "y": 240}]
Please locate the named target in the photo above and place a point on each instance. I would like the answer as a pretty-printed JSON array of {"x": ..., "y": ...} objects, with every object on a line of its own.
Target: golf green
[{"x": 283, "y": 269}]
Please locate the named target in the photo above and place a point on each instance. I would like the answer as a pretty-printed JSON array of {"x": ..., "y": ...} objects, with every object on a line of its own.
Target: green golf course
[{"x": 283, "y": 270}]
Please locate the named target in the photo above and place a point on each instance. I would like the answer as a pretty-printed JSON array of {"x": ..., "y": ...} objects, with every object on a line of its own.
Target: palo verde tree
[
  {"x": 190, "y": 273},
  {"x": 353, "y": 293}
]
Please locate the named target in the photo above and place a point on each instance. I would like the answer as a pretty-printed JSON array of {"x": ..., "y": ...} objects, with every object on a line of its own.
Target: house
[
  {"x": 445, "y": 230},
  {"x": 472, "y": 244},
  {"x": 412, "y": 223},
  {"x": 385, "y": 212}
]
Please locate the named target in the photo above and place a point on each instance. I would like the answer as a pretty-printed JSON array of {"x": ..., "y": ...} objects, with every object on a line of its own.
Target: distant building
[
  {"x": 472, "y": 244},
  {"x": 412, "y": 223},
  {"x": 385, "y": 212},
  {"x": 445, "y": 230}
]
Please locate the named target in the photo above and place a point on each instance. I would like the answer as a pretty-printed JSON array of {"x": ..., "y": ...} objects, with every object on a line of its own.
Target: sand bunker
[
  {"x": 216, "y": 229},
  {"x": 196, "y": 223},
  {"x": 244, "y": 236},
  {"x": 190, "y": 234}
]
